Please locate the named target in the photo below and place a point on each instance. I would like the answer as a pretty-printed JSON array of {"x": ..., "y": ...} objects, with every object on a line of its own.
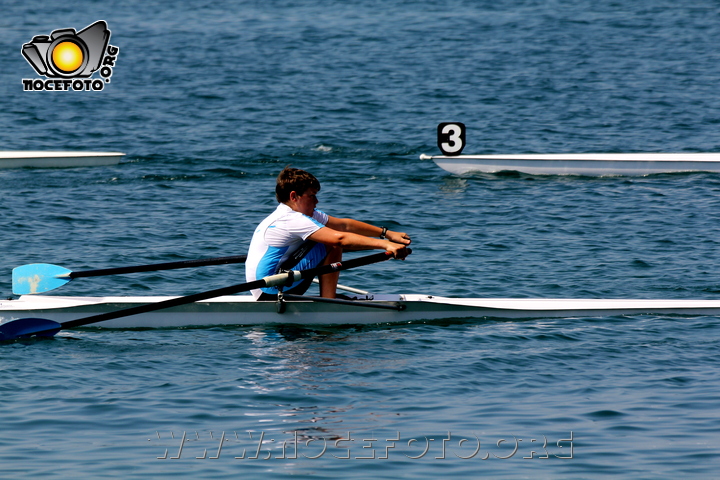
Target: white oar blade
[{"x": 38, "y": 278}]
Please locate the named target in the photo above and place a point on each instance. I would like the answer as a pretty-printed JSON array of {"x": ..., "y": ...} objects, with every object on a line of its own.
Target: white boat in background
[
  {"x": 244, "y": 310},
  {"x": 41, "y": 159},
  {"x": 593, "y": 164}
]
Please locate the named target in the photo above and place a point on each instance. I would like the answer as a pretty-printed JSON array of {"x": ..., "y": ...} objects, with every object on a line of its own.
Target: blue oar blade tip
[{"x": 28, "y": 327}]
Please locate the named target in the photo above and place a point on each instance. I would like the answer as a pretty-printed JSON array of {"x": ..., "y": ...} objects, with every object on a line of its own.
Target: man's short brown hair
[{"x": 294, "y": 179}]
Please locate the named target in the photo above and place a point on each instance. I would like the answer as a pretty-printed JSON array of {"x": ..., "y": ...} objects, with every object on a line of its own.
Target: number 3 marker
[{"x": 451, "y": 138}]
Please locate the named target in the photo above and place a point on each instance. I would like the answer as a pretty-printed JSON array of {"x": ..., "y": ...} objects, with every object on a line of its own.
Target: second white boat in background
[
  {"x": 592, "y": 164},
  {"x": 43, "y": 159}
]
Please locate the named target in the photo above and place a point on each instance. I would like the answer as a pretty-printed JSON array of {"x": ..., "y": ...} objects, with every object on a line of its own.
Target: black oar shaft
[
  {"x": 160, "y": 266},
  {"x": 173, "y": 302},
  {"x": 274, "y": 280}
]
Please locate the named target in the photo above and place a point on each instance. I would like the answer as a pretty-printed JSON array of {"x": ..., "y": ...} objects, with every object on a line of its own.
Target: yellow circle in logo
[{"x": 67, "y": 56}]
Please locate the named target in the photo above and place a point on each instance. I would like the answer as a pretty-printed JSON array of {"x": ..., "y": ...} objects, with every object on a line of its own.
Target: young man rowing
[{"x": 297, "y": 236}]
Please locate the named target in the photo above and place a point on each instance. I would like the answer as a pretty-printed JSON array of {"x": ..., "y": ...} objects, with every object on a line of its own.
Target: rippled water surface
[{"x": 210, "y": 100}]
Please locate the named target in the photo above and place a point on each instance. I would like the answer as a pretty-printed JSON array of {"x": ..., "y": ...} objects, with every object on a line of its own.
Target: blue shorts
[{"x": 315, "y": 257}]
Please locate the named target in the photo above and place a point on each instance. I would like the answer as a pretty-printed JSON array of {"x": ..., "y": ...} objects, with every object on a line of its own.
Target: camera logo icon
[
  {"x": 67, "y": 59},
  {"x": 66, "y": 53}
]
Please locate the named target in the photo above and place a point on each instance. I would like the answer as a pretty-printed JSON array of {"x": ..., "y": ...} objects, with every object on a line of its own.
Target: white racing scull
[
  {"x": 591, "y": 164},
  {"x": 451, "y": 139},
  {"x": 43, "y": 159},
  {"x": 45, "y": 315},
  {"x": 373, "y": 309}
]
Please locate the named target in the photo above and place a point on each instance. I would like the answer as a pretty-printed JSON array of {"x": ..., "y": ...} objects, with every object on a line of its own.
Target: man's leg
[{"x": 328, "y": 282}]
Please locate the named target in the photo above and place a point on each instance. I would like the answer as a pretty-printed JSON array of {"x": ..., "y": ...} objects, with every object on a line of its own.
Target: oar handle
[
  {"x": 287, "y": 278},
  {"x": 160, "y": 266}
]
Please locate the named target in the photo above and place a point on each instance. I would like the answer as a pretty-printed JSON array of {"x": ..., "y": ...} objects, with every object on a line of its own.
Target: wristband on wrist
[{"x": 384, "y": 231}]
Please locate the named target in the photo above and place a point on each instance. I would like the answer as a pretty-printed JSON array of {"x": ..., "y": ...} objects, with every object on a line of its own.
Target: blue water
[{"x": 211, "y": 99}]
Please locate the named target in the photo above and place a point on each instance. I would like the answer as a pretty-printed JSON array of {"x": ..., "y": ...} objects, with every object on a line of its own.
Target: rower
[{"x": 282, "y": 237}]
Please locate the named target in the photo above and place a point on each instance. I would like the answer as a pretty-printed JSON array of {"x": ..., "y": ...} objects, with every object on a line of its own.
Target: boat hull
[
  {"x": 244, "y": 310},
  {"x": 592, "y": 164},
  {"x": 39, "y": 159}
]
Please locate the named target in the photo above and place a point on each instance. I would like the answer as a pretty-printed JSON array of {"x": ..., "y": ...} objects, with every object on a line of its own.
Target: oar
[
  {"x": 43, "y": 277},
  {"x": 27, "y": 327}
]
